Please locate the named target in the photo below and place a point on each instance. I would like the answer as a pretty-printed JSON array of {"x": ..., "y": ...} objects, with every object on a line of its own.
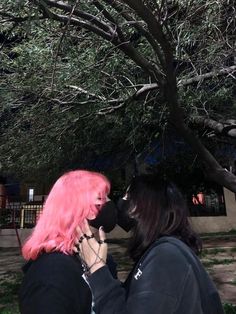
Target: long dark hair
[{"x": 159, "y": 209}]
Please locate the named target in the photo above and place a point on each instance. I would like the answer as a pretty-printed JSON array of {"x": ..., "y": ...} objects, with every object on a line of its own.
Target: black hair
[{"x": 159, "y": 209}]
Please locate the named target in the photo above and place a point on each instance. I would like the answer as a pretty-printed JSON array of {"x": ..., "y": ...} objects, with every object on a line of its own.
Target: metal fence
[{"x": 20, "y": 215}]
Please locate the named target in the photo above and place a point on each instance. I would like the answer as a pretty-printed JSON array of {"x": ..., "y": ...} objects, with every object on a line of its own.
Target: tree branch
[
  {"x": 110, "y": 18},
  {"x": 213, "y": 170},
  {"x": 124, "y": 46},
  {"x": 188, "y": 81},
  {"x": 139, "y": 28},
  {"x": 208, "y": 75},
  {"x": 219, "y": 128},
  {"x": 154, "y": 27},
  {"x": 64, "y": 19},
  {"x": 83, "y": 91},
  {"x": 86, "y": 16}
]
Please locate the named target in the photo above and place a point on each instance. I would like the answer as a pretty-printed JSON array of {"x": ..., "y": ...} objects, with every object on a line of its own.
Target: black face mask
[
  {"x": 107, "y": 217},
  {"x": 123, "y": 218}
]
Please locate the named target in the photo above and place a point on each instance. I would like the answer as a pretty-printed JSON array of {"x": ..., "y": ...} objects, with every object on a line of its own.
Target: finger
[
  {"x": 102, "y": 235},
  {"x": 86, "y": 228},
  {"x": 75, "y": 249}
]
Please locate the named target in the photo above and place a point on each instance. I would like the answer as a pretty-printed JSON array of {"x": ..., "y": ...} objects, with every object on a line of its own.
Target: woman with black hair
[{"x": 168, "y": 277}]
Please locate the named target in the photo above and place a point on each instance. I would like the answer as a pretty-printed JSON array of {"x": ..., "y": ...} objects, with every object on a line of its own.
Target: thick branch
[
  {"x": 149, "y": 87},
  {"x": 86, "y": 16},
  {"x": 208, "y": 75},
  {"x": 139, "y": 28},
  {"x": 219, "y": 128},
  {"x": 126, "y": 47},
  {"x": 154, "y": 26},
  {"x": 86, "y": 25},
  {"x": 110, "y": 18},
  {"x": 213, "y": 169}
]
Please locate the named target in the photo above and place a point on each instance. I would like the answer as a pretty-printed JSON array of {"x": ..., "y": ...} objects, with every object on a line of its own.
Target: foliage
[{"x": 66, "y": 93}]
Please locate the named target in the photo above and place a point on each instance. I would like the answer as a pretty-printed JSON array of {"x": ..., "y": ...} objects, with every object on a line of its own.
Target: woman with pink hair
[{"x": 53, "y": 277}]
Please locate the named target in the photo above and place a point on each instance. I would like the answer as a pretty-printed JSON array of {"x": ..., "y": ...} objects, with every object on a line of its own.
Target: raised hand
[{"x": 93, "y": 253}]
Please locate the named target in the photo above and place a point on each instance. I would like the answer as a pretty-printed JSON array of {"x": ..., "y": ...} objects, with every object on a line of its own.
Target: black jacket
[
  {"x": 53, "y": 284},
  {"x": 164, "y": 281}
]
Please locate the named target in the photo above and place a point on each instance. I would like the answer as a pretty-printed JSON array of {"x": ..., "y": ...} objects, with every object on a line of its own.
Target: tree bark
[
  {"x": 220, "y": 128},
  {"x": 213, "y": 170}
]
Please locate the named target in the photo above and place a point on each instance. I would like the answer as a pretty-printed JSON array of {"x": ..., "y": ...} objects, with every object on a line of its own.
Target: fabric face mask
[
  {"x": 107, "y": 217},
  {"x": 123, "y": 218}
]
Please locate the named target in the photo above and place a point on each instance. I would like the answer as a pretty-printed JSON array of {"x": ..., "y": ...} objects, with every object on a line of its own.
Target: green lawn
[{"x": 9, "y": 288}]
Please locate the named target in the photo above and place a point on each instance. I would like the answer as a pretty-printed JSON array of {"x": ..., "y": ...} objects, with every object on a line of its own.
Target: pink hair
[{"x": 70, "y": 201}]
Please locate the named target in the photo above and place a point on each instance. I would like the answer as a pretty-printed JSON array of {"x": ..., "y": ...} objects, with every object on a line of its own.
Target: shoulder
[
  {"x": 164, "y": 260},
  {"x": 56, "y": 259},
  {"x": 50, "y": 267},
  {"x": 167, "y": 250},
  {"x": 163, "y": 268}
]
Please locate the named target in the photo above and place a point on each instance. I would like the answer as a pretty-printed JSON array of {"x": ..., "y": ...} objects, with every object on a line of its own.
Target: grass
[
  {"x": 215, "y": 261},
  {"x": 216, "y": 234},
  {"x": 229, "y": 308},
  {"x": 233, "y": 282},
  {"x": 9, "y": 288},
  {"x": 214, "y": 251}
]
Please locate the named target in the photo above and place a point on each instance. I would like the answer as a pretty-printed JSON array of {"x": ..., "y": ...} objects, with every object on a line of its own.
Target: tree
[{"x": 158, "y": 70}]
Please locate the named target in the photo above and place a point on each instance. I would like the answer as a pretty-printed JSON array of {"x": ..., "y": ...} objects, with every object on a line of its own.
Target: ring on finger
[
  {"x": 102, "y": 241},
  {"x": 88, "y": 236},
  {"x": 81, "y": 239}
]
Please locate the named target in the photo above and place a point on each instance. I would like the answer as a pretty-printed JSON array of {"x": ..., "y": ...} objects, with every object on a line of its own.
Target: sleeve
[
  {"x": 111, "y": 264},
  {"x": 108, "y": 293},
  {"x": 45, "y": 299},
  {"x": 156, "y": 291}
]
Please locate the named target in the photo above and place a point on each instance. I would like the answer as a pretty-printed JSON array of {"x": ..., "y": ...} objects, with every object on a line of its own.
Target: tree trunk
[{"x": 213, "y": 170}]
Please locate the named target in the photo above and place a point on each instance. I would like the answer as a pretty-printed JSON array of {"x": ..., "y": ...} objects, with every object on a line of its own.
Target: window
[
  {"x": 31, "y": 194},
  {"x": 209, "y": 202}
]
